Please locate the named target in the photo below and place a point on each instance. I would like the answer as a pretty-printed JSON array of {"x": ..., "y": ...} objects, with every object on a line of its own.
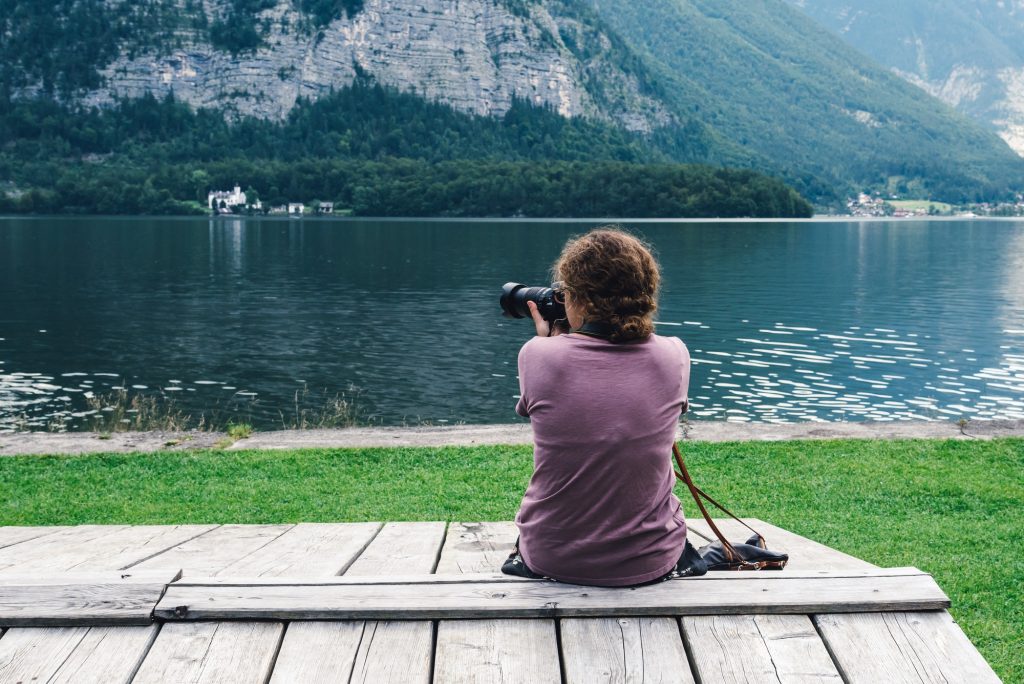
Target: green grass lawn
[
  {"x": 952, "y": 508},
  {"x": 920, "y": 205}
]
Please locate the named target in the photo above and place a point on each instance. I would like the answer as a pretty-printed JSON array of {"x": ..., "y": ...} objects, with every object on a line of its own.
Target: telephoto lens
[{"x": 514, "y": 297}]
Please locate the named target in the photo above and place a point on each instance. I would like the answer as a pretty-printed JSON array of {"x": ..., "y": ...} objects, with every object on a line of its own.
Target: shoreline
[
  {"x": 77, "y": 443},
  {"x": 817, "y": 218}
]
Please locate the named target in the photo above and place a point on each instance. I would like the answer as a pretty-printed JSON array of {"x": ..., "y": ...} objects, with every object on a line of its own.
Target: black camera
[{"x": 549, "y": 300}]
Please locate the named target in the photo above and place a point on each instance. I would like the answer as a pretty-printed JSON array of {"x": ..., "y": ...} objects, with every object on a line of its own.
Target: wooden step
[
  {"x": 437, "y": 597},
  {"x": 74, "y": 600}
]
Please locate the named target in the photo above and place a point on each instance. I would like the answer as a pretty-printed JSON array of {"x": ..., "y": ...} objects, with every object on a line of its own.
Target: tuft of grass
[
  {"x": 121, "y": 411},
  {"x": 952, "y": 508},
  {"x": 239, "y": 431},
  {"x": 317, "y": 411}
]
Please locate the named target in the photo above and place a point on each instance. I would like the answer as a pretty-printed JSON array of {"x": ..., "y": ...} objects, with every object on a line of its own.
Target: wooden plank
[
  {"x": 109, "y": 577},
  {"x": 214, "y": 652},
  {"x": 215, "y": 550},
  {"x": 492, "y": 578},
  {"x": 307, "y": 550},
  {"x": 371, "y": 651},
  {"x": 73, "y": 655},
  {"x": 401, "y": 548},
  {"x": 46, "y": 552},
  {"x": 318, "y": 652},
  {"x": 15, "y": 535},
  {"x": 497, "y": 651},
  {"x": 628, "y": 650},
  {"x": 66, "y": 601},
  {"x": 804, "y": 553},
  {"x": 121, "y": 547},
  {"x": 758, "y": 648},
  {"x": 476, "y": 547},
  {"x": 389, "y": 651},
  {"x": 490, "y": 650},
  {"x": 548, "y": 599},
  {"x": 903, "y": 647}
]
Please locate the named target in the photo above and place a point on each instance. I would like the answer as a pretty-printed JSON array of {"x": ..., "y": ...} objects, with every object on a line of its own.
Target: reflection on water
[{"x": 785, "y": 321}]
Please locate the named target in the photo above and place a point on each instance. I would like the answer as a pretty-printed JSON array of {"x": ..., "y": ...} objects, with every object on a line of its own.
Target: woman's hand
[{"x": 543, "y": 327}]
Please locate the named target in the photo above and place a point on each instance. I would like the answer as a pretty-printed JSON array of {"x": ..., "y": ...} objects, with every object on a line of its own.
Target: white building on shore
[{"x": 219, "y": 200}]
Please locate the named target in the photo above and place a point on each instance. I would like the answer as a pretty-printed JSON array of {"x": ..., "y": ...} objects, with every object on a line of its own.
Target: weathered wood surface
[
  {"x": 355, "y": 652},
  {"x": 212, "y": 652},
  {"x": 903, "y": 647},
  {"x": 804, "y": 553},
  {"x": 401, "y": 549},
  {"x": 490, "y": 650},
  {"x": 46, "y": 551},
  {"x": 758, "y": 648},
  {"x": 496, "y": 652},
  {"x": 492, "y": 578},
  {"x": 77, "y": 601},
  {"x": 385, "y": 651},
  {"x": 120, "y": 548},
  {"x": 215, "y": 550},
  {"x": 294, "y": 565},
  {"x": 96, "y": 577},
  {"x": 628, "y": 650},
  {"x": 73, "y": 655},
  {"x": 548, "y": 599},
  {"x": 307, "y": 550},
  {"x": 16, "y": 535},
  {"x": 476, "y": 547}
]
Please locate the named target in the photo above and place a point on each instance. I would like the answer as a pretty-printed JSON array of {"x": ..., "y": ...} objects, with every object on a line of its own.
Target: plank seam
[
  {"x": 277, "y": 653},
  {"x": 258, "y": 548},
  {"x": 688, "y": 650},
  {"x": 434, "y": 628},
  {"x": 828, "y": 648},
  {"x": 163, "y": 592},
  {"x": 145, "y": 652},
  {"x": 186, "y": 541},
  {"x": 39, "y": 536},
  {"x": 440, "y": 547},
  {"x": 558, "y": 648},
  {"x": 355, "y": 655},
  {"x": 72, "y": 650},
  {"x": 365, "y": 546}
]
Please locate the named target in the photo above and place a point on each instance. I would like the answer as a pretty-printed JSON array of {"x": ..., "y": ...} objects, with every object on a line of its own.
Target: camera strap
[
  {"x": 699, "y": 495},
  {"x": 596, "y": 329}
]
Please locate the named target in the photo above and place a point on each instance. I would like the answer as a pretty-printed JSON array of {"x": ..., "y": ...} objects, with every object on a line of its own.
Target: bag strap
[{"x": 698, "y": 493}]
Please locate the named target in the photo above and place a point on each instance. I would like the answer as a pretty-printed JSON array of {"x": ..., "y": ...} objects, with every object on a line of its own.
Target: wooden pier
[{"x": 422, "y": 602}]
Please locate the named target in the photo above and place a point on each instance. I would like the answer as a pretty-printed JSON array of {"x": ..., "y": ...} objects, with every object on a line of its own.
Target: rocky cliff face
[
  {"x": 968, "y": 53},
  {"x": 475, "y": 55}
]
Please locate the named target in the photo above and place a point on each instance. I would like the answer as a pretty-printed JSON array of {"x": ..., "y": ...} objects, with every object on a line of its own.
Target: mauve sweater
[{"x": 599, "y": 508}]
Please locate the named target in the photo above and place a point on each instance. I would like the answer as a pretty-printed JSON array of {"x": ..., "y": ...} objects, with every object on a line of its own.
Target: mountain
[
  {"x": 259, "y": 57},
  {"x": 764, "y": 75},
  {"x": 747, "y": 83},
  {"x": 968, "y": 53}
]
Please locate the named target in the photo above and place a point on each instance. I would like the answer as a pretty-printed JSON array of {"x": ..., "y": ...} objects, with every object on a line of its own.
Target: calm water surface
[{"x": 240, "y": 319}]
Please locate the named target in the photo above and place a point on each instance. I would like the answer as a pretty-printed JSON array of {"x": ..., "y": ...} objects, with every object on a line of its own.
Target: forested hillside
[
  {"x": 372, "y": 151},
  {"x": 968, "y": 53},
  {"x": 118, "y": 90},
  {"x": 762, "y": 74}
]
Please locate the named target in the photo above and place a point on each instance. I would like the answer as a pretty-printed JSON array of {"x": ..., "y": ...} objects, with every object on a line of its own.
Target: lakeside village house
[{"x": 234, "y": 201}]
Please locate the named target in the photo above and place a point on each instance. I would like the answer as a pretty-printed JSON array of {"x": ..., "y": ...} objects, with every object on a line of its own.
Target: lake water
[{"x": 242, "y": 319}]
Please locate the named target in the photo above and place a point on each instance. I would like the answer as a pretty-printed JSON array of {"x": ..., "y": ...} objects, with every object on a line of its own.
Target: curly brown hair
[{"x": 614, "y": 278}]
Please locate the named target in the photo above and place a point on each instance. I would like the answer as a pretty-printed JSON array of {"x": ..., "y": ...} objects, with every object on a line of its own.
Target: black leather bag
[
  {"x": 750, "y": 553},
  {"x": 723, "y": 554}
]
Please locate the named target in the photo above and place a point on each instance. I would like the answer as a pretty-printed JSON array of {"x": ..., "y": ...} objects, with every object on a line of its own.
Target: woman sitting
[{"x": 604, "y": 401}]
